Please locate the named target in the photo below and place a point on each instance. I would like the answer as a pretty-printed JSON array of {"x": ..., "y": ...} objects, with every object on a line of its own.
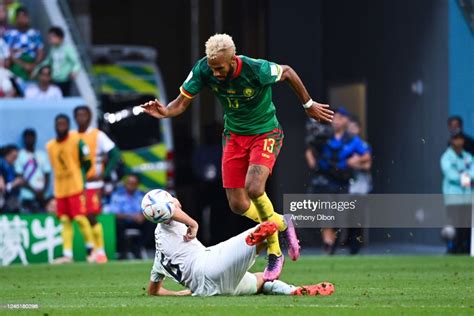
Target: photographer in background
[{"x": 333, "y": 157}]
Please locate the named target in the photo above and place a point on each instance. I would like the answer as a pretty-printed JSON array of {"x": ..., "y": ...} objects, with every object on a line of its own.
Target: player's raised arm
[
  {"x": 156, "y": 109},
  {"x": 180, "y": 216},
  {"x": 188, "y": 90},
  {"x": 318, "y": 111}
]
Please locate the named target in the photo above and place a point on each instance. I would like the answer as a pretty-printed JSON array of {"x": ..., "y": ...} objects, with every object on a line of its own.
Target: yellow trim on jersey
[{"x": 185, "y": 93}]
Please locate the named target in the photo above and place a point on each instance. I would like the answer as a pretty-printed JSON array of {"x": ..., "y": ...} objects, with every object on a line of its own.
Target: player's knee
[
  {"x": 64, "y": 219},
  {"x": 238, "y": 207},
  {"x": 254, "y": 190},
  {"x": 92, "y": 219}
]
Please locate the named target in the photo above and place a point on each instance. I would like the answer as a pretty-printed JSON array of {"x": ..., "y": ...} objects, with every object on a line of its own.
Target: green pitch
[{"x": 369, "y": 285}]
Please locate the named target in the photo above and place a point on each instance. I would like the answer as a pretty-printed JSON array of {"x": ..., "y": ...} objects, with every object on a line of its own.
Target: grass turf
[{"x": 368, "y": 285}]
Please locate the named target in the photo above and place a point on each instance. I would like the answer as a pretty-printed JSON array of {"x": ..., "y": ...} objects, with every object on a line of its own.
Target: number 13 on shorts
[{"x": 268, "y": 145}]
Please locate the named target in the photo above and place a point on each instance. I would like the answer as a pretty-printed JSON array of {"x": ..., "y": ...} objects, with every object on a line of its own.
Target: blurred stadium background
[{"x": 403, "y": 67}]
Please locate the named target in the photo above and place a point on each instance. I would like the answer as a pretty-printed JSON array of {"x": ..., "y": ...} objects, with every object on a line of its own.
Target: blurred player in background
[
  {"x": 218, "y": 270},
  {"x": 252, "y": 136},
  {"x": 69, "y": 157},
  {"x": 104, "y": 158}
]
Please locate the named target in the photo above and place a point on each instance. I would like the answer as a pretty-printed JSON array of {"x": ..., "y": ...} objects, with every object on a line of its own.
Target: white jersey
[
  {"x": 175, "y": 257},
  {"x": 220, "y": 269},
  {"x": 103, "y": 146}
]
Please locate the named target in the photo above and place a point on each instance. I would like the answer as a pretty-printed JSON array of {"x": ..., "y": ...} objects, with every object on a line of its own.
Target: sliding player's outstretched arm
[
  {"x": 157, "y": 289},
  {"x": 156, "y": 109},
  {"x": 318, "y": 111}
]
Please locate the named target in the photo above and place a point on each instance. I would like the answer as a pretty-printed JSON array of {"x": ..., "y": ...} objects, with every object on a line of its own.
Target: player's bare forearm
[
  {"x": 178, "y": 105},
  {"x": 156, "y": 109},
  {"x": 180, "y": 216},
  {"x": 292, "y": 78},
  {"x": 156, "y": 289},
  {"x": 165, "y": 292},
  {"x": 315, "y": 110}
]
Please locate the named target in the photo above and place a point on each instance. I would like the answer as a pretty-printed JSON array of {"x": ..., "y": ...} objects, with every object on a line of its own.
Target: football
[{"x": 157, "y": 206}]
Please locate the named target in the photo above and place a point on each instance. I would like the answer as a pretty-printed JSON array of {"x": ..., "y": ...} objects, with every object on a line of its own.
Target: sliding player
[
  {"x": 218, "y": 270},
  {"x": 252, "y": 137}
]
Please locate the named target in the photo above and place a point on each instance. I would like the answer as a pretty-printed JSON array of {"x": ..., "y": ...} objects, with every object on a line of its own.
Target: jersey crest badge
[{"x": 248, "y": 92}]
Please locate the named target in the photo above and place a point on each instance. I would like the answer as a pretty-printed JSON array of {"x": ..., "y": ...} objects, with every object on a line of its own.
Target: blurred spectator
[
  {"x": 63, "y": 60},
  {"x": 4, "y": 52},
  {"x": 26, "y": 46},
  {"x": 33, "y": 165},
  {"x": 12, "y": 7},
  {"x": 126, "y": 205},
  {"x": 4, "y": 26},
  {"x": 333, "y": 159},
  {"x": 336, "y": 156},
  {"x": 456, "y": 125},
  {"x": 44, "y": 89},
  {"x": 458, "y": 171},
  {"x": 361, "y": 181},
  {"x": 7, "y": 90},
  {"x": 11, "y": 182}
]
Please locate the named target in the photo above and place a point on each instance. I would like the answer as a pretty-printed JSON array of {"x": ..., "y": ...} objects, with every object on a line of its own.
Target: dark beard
[
  {"x": 62, "y": 136},
  {"x": 229, "y": 74}
]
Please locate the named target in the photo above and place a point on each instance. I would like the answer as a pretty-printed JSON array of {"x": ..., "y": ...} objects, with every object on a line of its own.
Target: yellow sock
[
  {"x": 252, "y": 213},
  {"x": 273, "y": 245},
  {"x": 67, "y": 235},
  {"x": 86, "y": 229},
  {"x": 266, "y": 213},
  {"x": 98, "y": 232}
]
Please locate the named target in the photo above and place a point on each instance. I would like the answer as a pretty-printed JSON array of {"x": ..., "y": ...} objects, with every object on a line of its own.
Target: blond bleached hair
[{"x": 219, "y": 43}]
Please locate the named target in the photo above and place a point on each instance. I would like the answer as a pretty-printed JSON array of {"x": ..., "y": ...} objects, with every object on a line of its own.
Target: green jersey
[{"x": 246, "y": 97}]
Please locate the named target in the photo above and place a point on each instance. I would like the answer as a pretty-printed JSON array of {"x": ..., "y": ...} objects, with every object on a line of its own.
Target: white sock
[
  {"x": 67, "y": 253},
  {"x": 278, "y": 287}
]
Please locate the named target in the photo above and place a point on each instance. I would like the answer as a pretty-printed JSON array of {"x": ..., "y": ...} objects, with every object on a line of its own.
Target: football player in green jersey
[{"x": 252, "y": 136}]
